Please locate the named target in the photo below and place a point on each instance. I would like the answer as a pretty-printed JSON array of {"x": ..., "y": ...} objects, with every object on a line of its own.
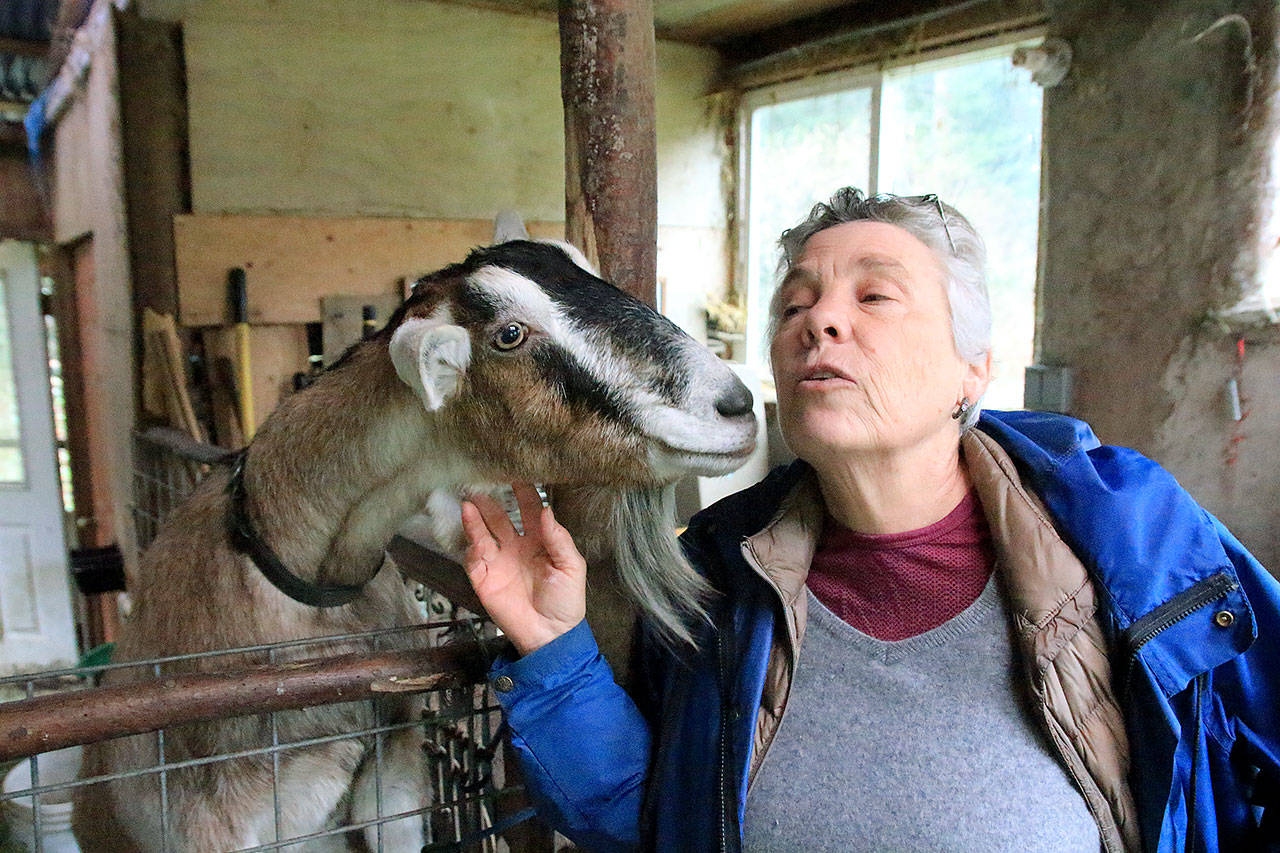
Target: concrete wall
[
  {"x": 1158, "y": 214},
  {"x": 424, "y": 109}
]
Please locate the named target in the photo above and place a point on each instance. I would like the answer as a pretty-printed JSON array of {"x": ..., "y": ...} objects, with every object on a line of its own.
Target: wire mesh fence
[{"x": 419, "y": 756}]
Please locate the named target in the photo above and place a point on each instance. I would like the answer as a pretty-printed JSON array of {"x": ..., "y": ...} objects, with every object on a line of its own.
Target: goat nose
[{"x": 734, "y": 401}]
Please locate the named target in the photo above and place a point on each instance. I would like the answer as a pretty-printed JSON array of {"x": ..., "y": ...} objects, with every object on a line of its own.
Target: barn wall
[
  {"x": 1158, "y": 218},
  {"x": 423, "y": 109}
]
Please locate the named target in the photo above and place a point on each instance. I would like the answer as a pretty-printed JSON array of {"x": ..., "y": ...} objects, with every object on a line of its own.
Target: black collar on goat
[{"x": 245, "y": 539}]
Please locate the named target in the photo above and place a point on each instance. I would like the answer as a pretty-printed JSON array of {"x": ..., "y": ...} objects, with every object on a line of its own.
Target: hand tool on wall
[{"x": 238, "y": 296}]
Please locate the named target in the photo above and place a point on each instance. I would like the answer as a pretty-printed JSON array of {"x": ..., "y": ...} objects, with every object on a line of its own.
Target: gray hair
[
  {"x": 652, "y": 565},
  {"x": 938, "y": 225}
]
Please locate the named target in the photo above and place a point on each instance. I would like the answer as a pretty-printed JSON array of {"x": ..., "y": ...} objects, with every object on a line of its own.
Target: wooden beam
[
  {"x": 714, "y": 21},
  {"x": 607, "y": 74},
  {"x": 867, "y": 32},
  {"x": 69, "y": 267},
  {"x": 154, "y": 138},
  {"x": 24, "y": 47},
  {"x": 23, "y": 215},
  {"x": 45, "y": 723}
]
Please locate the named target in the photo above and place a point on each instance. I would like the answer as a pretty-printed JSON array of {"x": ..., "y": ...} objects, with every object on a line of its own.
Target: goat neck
[{"x": 338, "y": 466}]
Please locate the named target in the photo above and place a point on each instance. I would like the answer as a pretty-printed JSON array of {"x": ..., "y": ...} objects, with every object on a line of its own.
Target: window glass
[
  {"x": 970, "y": 132},
  {"x": 11, "y": 468},
  {"x": 800, "y": 151}
]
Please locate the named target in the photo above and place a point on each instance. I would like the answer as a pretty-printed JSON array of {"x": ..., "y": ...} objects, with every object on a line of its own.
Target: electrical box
[{"x": 1047, "y": 388}]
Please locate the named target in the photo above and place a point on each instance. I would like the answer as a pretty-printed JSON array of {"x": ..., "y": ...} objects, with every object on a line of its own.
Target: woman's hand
[{"x": 533, "y": 586}]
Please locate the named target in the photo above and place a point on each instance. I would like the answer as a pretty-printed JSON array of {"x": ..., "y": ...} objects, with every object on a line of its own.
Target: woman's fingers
[
  {"x": 473, "y": 525},
  {"x": 559, "y": 543},
  {"x": 495, "y": 518},
  {"x": 530, "y": 503},
  {"x": 481, "y": 545}
]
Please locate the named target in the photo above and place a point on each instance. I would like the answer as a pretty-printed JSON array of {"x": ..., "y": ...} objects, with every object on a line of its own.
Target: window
[{"x": 966, "y": 127}]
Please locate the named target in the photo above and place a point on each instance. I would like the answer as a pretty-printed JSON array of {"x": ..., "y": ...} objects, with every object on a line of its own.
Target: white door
[{"x": 36, "y": 626}]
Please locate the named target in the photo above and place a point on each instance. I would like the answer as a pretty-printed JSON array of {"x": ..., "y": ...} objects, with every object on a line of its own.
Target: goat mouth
[{"x": 707, "y": 461}]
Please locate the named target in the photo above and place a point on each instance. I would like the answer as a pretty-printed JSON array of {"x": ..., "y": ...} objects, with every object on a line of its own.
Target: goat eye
[{"x": 510, "y": 336}]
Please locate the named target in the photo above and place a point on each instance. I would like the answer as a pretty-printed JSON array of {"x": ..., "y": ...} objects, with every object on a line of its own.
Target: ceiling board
[
  {"x": 699, "y": 21},
  {"x": 715, "y": 20}
]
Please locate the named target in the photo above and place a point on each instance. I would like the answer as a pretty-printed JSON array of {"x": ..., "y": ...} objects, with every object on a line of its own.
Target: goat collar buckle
[{"x": 245, "y": 539}]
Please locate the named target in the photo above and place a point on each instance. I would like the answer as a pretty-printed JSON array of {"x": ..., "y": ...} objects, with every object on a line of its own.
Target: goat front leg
[{"x": 404, "y": 788}]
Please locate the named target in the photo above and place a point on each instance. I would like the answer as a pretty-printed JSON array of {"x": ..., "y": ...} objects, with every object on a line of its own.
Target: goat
[{"x": 518, "y": 363}]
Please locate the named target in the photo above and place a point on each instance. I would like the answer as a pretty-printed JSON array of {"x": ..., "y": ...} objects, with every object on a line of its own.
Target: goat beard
[{"x": 639, "y": 543}]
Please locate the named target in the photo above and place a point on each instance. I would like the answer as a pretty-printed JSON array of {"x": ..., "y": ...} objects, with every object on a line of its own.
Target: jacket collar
[{"x": 783, "y": 550}]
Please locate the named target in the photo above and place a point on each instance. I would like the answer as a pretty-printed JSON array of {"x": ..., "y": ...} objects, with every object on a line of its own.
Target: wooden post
[{"x": 607, "y": 73}]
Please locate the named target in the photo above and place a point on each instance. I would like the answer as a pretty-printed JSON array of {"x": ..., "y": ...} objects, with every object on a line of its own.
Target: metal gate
[{"x": 443, "y": 660}]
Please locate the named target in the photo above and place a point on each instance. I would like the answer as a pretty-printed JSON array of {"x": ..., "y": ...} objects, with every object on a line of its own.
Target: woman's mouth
[{"x": 823, "y": 377}]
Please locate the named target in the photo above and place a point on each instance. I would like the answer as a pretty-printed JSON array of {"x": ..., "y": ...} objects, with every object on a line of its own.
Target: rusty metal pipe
[{"x": 44, "y": 723}]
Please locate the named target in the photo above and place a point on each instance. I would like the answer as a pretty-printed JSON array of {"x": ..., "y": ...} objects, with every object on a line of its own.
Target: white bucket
[{"x": 62, "y": 765}]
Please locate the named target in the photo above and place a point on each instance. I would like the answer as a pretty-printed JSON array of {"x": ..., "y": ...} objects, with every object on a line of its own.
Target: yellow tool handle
[{"x": 244, "y": 381}]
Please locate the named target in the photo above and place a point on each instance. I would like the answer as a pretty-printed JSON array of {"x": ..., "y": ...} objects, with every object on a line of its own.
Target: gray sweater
[{"x": 919, "y": 744}]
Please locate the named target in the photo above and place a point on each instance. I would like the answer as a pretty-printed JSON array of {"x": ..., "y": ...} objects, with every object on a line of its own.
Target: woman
[{"x": 933, "y": 630}]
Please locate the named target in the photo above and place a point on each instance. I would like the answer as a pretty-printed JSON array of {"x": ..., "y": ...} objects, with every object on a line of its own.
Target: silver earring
[{"x": 962, "y": 409}]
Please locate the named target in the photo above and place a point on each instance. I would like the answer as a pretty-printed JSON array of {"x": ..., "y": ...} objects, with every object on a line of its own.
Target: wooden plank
[
  {"x": 277, "y": 352},
  {"x": 292, "y": 262},
  {"x": 344, "y": 320},
  {"x": 164, "y": 374}
]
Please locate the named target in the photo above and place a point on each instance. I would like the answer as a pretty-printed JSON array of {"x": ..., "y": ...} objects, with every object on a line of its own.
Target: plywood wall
[
  {"x": 378, "y": 140},
  {"x": 410, "y": 109}
]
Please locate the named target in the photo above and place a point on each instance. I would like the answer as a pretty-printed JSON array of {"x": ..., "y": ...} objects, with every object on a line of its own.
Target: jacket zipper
[
  {"x": 1173, "y": 611},
  {"x": 1197, "y": 688}
]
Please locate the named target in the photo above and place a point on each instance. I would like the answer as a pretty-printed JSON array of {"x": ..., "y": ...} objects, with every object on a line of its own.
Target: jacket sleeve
[
  {"x": 1250, "y": 690},
  {"x": 582, "y": 743}
]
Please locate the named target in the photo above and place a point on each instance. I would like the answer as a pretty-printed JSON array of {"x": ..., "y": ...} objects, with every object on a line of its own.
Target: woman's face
[{"x": 864, "y": 358}]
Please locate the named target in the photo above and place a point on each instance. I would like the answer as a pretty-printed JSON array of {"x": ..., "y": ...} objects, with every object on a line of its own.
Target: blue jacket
[{"x": 1192, "y": 620}]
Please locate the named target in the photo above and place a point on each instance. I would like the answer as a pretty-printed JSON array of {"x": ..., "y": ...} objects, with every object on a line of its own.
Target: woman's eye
[
  {"x": 790, "y": 311},
  {"x": 510, "y": 336},
  {"x": 874, "y": 297}
]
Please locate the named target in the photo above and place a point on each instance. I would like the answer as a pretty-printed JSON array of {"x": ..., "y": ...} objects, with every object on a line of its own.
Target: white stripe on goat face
[{"x": 527, "y": 302}]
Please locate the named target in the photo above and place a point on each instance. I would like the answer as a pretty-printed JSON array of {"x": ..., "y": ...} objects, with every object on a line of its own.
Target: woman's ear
[{"x": 977, "y": 377}]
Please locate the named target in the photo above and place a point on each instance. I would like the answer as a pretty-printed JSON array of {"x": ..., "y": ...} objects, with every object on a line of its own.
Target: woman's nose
[{"x": 828, "y": 321}]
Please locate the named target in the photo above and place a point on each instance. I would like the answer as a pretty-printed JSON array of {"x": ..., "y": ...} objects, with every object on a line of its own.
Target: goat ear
[
  {"x": 431, "y": 357},
  {"x": 508, "y": 225}
]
